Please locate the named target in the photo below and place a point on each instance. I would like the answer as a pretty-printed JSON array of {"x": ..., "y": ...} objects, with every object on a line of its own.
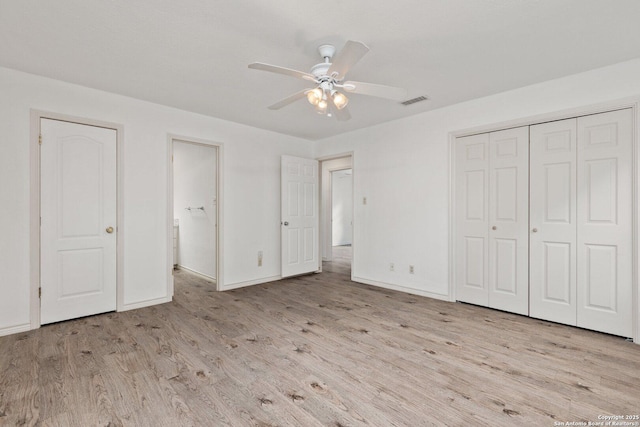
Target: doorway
[
  {"x": 195, "y": 208},
  {"x": 337, "y": 210},
  {"x": 341, "y": 215}
]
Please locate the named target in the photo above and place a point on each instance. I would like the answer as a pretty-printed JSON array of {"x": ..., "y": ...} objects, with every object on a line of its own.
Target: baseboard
[
  {"x": 146, "y": 303},
  {"x": 197, "y": 273},
  {"x": 404, "y": 289},
  {"x": 15, "y": 329},
  {"x": 250, "y": 283}
]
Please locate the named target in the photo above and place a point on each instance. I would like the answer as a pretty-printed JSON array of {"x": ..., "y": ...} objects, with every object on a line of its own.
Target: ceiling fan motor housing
[
  {"x": 327, "y": 51},
  {"x": 321, "y": 69}
]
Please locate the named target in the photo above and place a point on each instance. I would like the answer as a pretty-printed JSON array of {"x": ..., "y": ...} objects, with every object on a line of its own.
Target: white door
[
  {"x": 552, "y": 279},
  {"x": 472, "y": 226},
  {"x": 300, "y": 216},
  {"x": 78, "y": 226},
  {"x": 604, "y": 246},
  {"x": 509, "y": 220}
]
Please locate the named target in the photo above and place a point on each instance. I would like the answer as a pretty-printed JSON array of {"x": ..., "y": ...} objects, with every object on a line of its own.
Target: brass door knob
[
  {"x": 535, "y": 230},
  {"x": 494, "y": 228},
  {"x": 109, "y": 230}
]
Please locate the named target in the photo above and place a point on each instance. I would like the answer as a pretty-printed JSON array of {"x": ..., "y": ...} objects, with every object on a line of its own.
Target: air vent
[{"x": 414, "y": 100}]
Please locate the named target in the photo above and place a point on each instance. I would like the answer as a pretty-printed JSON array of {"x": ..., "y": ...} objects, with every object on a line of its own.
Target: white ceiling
[{"x": 193, "y": 54}]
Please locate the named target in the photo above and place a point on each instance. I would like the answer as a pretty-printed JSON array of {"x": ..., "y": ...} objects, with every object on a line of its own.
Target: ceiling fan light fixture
[
  {"x": 321, "y": 106},
  {"x": 314, "y": 96},
  {"x": 340, "y": 100}
]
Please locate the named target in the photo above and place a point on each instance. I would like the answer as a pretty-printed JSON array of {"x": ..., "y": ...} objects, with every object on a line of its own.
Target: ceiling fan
[{"x": 328, "y": 78}]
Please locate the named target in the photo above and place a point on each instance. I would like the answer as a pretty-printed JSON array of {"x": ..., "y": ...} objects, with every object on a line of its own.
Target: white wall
[
  {"x": 402, "y": 168},
  {"x": 341, "y": 207},
  {"x": 194, "y": 185},
  {"x": 251, "y": 179}
]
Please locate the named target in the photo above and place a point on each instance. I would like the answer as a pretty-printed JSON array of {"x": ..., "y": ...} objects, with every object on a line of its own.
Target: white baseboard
[
  {"x": 404, "y": 289},
  {"x": 197, "y": 273},
  {"x": 15, "y": 329},
  {"x": 250, "y": 283},
  {"x": 146, "y": 303}
]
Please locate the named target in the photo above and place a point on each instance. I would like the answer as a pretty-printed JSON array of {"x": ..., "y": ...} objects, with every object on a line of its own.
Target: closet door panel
[
  {"x": 552, "y": 229},
  {"x": 509, "y": 220},
  {"x": 472, "y": 179},
  {"x": 604, "y": 256}
]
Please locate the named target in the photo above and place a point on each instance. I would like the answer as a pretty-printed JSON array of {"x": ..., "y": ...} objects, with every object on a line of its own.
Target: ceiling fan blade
[
  {"x": 288, "y": 100},
  {"x": 282, "y": 70},
  {"x": 342, "y": 115},
  {"x": 351, "y": 53},
  {"x": 381, "y": 91}
]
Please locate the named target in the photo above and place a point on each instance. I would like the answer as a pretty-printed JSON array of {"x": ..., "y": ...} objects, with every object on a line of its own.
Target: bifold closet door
[
  {"x": 492, "y": 220},
  {"x": 552, "y": 238},
  {"x": 472, "y": 225},
  {"x": 604, "y": 213},
  {"x": 580, "y": 222},
  {"x": 509, "y": 220}
]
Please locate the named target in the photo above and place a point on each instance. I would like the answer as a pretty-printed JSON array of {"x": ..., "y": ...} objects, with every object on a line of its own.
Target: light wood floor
[{"x": 313, "y": 350}]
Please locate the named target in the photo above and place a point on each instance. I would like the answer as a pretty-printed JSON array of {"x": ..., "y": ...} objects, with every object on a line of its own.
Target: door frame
[
  {"x": 631, "y": 102},
  {"x": 34, "y": 205},
  {"x": 325, "y": 206},
  {"x": 219, "y": 282}
]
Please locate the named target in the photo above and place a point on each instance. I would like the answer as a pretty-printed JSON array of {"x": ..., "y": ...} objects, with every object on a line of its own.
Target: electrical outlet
[
  {"x": 411, "y": 271},
  {"x": 259, "y": 258},
  {"x": 392, "y": 267}
]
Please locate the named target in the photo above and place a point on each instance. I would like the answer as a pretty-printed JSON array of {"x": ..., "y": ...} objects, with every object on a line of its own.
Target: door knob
[
  {"x": 109, "y": 230},
  {"x": 285, "y": 223},
  {"x": 535, "y": 230},
  {"x": 494, "y": 228}
]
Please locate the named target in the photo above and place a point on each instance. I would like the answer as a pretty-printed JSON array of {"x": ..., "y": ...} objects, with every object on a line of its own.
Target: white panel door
[
  {"x": 509, "y": 220},
  {"x": 300, "y": 216},
  {"x": 472, "y": 227},
  {"x": 78, "y": 227},
  {"x": 552, "y": 238},
  {"x": 604, "y": 222}
]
